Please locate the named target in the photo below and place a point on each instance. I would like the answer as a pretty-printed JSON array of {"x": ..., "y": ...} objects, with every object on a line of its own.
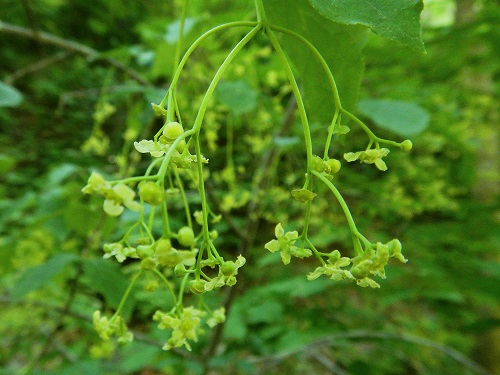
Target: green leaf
[
  {"x": 9, "y": 96},
  {"x": 239, "y": 96},
  {"x": 397, "y": 20},
  {"x": 38, "y": 276},
  {"x": 106, "y": 277},
  {"x": 340, "y": 45},
  {"x": 403, "y": 118}
]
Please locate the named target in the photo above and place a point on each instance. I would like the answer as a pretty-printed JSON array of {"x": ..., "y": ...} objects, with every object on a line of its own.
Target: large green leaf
[
  {"x": 238, "y": 96},
  {"x": 393, "y": 19},
  {"x": 340, "y": 45},
  {"x": 105, "y": 277},
  {"x": 38, "y": 276},
  {"x": 403, "y": 118},
  {"x": 9, "y": 96}
]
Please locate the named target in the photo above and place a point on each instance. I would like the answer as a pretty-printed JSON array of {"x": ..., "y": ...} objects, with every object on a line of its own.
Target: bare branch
[{"x": 72, "y": 46}]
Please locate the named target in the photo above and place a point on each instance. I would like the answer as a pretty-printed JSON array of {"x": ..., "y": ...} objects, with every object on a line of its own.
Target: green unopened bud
[
  {"x": 151, "y": 286},
  {"x": 333, "y": 166},
  {"x": 172, "y": 130},
  {"x": 318, "y": 164},
  {"x": 197, "y": 286},
  {"x": 151, "y": 193},
  {"x": 214, "y": 234},
  {"x": 228, "y": 268},
  {"x": 144, "y": 251},
  {"x": 406, "y": 145},
  {"x": 180, "y": 270},
  {"x": 185, "y": 236},
  {"x": 148, "y": 263}
]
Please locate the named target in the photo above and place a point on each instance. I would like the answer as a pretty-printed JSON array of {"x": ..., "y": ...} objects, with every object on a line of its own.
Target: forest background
[{"x": 73, "y": 105}]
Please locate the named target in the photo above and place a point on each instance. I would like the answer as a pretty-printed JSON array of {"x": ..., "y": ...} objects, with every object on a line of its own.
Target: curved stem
[
  {"x": 193, "y": 47},
  {"x": 218, "y": 75},
  {"x": 320, "y": 58},
  {"x": 127, "y": 293},
  {"x": 298, "y": 96},
  {"x": 165, "y": 281},
  {"x": 352, "y": 226}
]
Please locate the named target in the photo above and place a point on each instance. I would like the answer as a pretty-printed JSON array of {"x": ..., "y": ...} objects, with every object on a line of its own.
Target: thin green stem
[
  {"x": 166, "y": 159},
  {"x": 261, "y": 13},
  {"x": 165, "y": 281},
  {"x": 211, "y": 88},
  {"x": 127, "y": 293},
  {"x": 178, "y": 47},
  {"x": 352, "y": 226},
  {"x": 194, "y": 46},
  {"x": 336, "y": 118},
  {"x": 131, "y": 180},
  {"x": 184, "y": 198},
  {"x": 298, "y": 96},
  {"x": 320, "y": 58}
]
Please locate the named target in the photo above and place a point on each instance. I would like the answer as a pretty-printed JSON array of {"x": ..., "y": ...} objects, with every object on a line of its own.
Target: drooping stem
[
  {"x": 295, "y": 88},
  {"x": 352, "y": 226}
]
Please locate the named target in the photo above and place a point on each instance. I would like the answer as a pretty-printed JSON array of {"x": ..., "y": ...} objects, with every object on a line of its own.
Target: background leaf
[
  {"x": 9, "y": 96},
  {"x": 239, "y": 96},
  {"x": 36, "y": 277},
  {"x": 403, "y": 118},
  {"x": 397, "y": 20},
  {"x": 340, "y": 45}
]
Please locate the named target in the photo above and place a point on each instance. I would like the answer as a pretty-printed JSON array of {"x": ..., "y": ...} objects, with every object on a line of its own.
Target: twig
[
  {"x": 69, "y": 45},
  {"x": 332, "y": 339},
  {"x": 36, "y": 66}
]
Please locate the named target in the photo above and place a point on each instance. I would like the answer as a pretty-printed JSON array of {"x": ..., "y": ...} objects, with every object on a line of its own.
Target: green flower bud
[
  {"x": 148, "y": 263},
  {"x": 197, "y": 286},
  {"x": 228, "y": 268},
  {"x": 180, "y": 270},
  {"x": 144, "y": 251},
  {"x": 185, "y": 236},
  {"x": 333, "y": 166},
  {"x": 151, "y": 286},
  {"x": 172, "y": 130},
  {"x": 318, "y": 164},
  {"x": 151, "y": 193},
  {"x": 406, "y": 145},
  {"x": 162, "y": 246}
]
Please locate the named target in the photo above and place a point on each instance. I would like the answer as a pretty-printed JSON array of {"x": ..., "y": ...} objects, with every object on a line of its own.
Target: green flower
[
  {"x": 156, "y": 149},
  {"x": 120, "y": 252},
  {"x": 185, "y": 326},
  {"x": 333, "y": 268},
  {"x": 284, "y": 244},
  {"x": 113, "y": 327},
  {"x": 227, "y": 274},
  {"x": 372, "y": 156},
  {"x": 218, "y": 316},
  {"x": 116, "y": 196}
]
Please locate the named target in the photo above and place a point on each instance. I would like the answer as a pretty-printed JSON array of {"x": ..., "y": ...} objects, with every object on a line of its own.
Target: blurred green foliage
[{"x": 437, "y": 314}]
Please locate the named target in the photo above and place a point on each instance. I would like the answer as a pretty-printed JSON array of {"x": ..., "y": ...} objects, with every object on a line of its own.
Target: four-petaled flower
[
  {"x": 333, "y": 268},
  {"x": 227, "y": 274},
  {"x": 371, "y": 156},
  {"x": 284, "y": 244},
  {"x": 115, "y": 196}
]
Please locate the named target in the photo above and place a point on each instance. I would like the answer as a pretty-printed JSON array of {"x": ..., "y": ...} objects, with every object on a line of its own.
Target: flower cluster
[
  {"x": 363, "y": 267},
  {"x": 284, "y": 243},
  {"x": 114, "y": 327},
  {"x": 226, "y": 275},
  {"x": 116, "y": 197},
  {"x": 186, "y": 325}
]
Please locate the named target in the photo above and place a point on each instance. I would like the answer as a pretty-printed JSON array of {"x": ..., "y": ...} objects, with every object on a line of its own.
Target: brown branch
[
  {"x": 71, "y": 46},
  {"x": 371, "y": 335},
  {"x": 36, "y": 66}
]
